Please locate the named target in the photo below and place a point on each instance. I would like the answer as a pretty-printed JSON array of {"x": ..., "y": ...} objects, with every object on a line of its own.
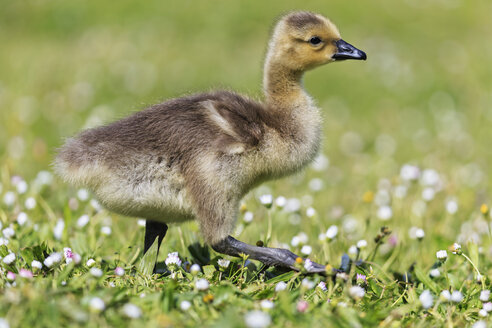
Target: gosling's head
[{"x": 303, "y": 40}]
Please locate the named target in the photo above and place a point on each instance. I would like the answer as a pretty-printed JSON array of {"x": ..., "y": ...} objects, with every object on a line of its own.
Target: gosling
[{"x": 195, "y": 157}]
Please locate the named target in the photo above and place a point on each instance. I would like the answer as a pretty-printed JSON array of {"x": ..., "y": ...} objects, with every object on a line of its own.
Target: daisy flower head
[
  {"x": 308, "y": 265},
  {"x": 185, "y": 305},
  {"x": 332, "y": 232},
  {"x": 22, "y": 218},
  {"x": 385, "y": 213},
  {"x": 409, "y": 172},
  {"x": 83, "y": 220},
  {"x": 96, "y": 205},
  {"x": 428, "y": 194},
  {"x": 22, "y": 187},
  {"x": 480, "y": 324},
  {"x": 96, "y": 304},
  {"x": 173, "y": 261},
  {"x": 442, "y": 255},
  {"x": 426, "y": 299},
  {"x": 52, "y": 259},
  {"x": 352, "y": 250},
  {"x": 361, "y": 244},
  {"x": 9, "y": 198},
  {"x": 266, "y": 304},
  {"x": 96, "y": 272},
  {"x": 420, "y": 233},
  {"x": 9, "y": 258},
  {"x": 257, "y": 319},
  {"x": 316, "y": 184},
  {"x": 280, "y": 201},
  {"x": 223, "y": 263},
  {"x": 36, "y": 265},
  {"x": 307, "y": 284},
  {"x": 435, "y": 273},
  {"x": 485, "y": 295},
  {"x": 310, "y": 212},
  {"x": 280, "y": 286},
  {"x": 361, "y": 279},
  {"x": 83, "y": 194},
  {"x": 58, "y": 229},
  {"x": 119, "y": 271},
  {"x": 30, "y": 203},
  {"x": 306, "y": 249},
  {"x": 248, "y": 217},
  {"x": 106, "y": 230},
  {"x": 356, "y": 292},
  {"x": 320, "y": 163},
  {"x": 451, "y": 206},
  {"x": 67, "y": 252},
  {"x": 8, "y": 232},
  {"x": 195, "y": 269},
  {"x": 266, "y": 200},
  {"x": 456, "y": 249},
  {"x": 202, "y": 284},
  {"x": 456, "y": 296},
  {"x": 322, "y": 286},
  {"x": 445, "y": 295},
  {"x": 131, "y": 311},
  {"x": 303, "y": 238}
]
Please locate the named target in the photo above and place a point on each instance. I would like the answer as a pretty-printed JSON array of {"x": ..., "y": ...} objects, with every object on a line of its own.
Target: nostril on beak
[{"x": 347, "y": 51}]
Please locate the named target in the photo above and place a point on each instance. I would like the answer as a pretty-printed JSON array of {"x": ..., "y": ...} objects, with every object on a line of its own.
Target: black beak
[{"x": 347, "y": 51}]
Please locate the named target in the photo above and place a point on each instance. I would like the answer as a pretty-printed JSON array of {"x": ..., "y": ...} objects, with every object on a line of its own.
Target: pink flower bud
[
  {"x": 24, "y": 273},
  {"x": 10, "y": 276},
  {"x": 302, "y": 306}
]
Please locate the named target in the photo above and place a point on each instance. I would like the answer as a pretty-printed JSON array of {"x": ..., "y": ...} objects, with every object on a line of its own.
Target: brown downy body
[{"x": 197, "y": 156}]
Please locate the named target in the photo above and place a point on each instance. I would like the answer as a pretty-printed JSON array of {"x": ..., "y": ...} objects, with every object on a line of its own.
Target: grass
[{"x": 406, "y": 146}]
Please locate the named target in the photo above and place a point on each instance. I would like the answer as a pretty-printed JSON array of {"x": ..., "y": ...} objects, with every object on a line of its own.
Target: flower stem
[
  {"x": 482, "y": 280},
  {"x": 446, "y": 274},
  {"x": 269, "y": 231}
]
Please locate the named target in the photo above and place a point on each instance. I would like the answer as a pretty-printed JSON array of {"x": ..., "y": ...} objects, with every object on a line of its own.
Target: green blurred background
[{"x": 424, "y": 95}]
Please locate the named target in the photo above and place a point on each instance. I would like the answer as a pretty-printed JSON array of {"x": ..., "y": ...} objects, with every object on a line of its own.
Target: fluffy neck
[
  {"x": 283, "y": 86},
  {"x": 300, "y": 130}
]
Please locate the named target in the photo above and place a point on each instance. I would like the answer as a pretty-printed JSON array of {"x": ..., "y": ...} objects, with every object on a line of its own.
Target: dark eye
[{"x": 315, "y": 40}]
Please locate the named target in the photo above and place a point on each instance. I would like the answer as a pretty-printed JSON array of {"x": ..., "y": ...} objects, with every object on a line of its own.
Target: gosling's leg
[
  {"x": 154, "y": 229},
  {"x": 270, "y": 256}
]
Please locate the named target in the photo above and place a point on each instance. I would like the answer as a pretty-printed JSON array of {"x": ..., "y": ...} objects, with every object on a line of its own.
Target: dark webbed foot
[
  {"x": 269, "y": 256},
  {"x": 154, "y": 229}
]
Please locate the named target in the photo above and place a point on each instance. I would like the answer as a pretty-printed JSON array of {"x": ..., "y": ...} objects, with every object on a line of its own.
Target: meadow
[{"x": 397, "y": 204}]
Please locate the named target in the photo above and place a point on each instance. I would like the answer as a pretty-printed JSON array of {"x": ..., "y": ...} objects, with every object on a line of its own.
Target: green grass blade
[{"x": 147, "y": 263}]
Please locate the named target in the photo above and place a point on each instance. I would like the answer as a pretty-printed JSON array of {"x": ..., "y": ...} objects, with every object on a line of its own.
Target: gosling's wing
[{"x": 177, "y": 129}]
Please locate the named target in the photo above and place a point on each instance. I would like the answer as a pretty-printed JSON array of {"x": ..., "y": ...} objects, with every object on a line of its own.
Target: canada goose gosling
[{"x": 195, "y": 157}]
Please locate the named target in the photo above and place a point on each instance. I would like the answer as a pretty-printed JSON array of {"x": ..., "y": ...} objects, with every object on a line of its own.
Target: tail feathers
[{"x": 73, "y": 166}]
